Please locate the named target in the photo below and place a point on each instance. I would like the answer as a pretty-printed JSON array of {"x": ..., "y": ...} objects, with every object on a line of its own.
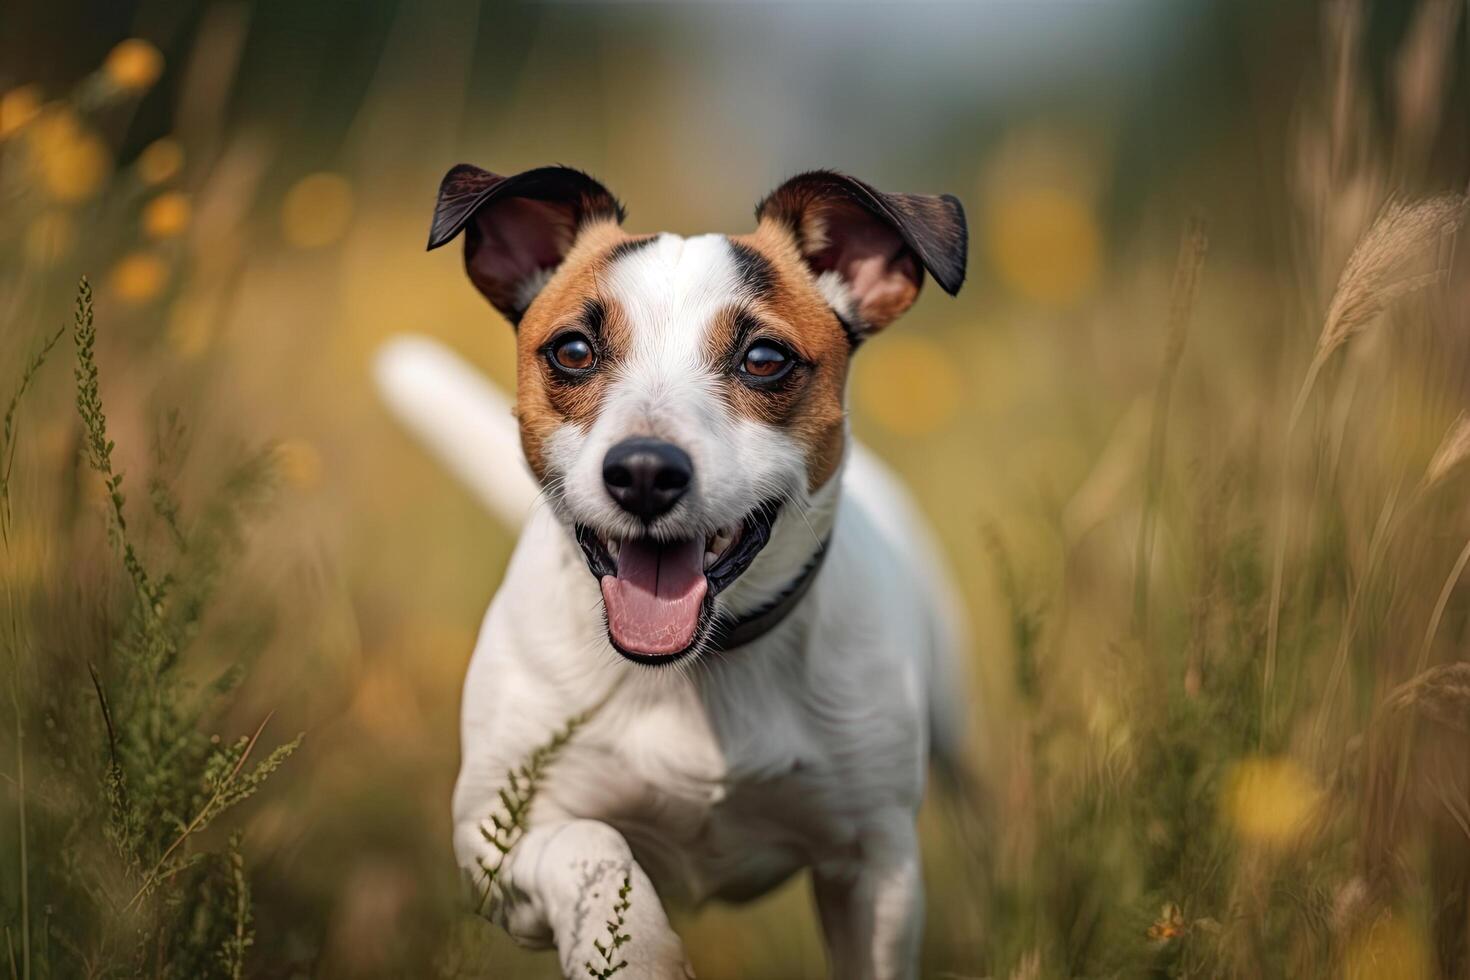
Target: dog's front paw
[
  {"x": 651, "y": 957},
  {"x": 664, "y": 963},
  {"x": 620, "y": 927}
]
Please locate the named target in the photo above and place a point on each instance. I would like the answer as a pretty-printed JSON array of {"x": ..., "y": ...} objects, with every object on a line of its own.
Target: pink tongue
[{"x": 653, "y": 602}]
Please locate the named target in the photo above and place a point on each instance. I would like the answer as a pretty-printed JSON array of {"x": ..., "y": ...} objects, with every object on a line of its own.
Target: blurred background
[{"x": 1190, "y": 432}]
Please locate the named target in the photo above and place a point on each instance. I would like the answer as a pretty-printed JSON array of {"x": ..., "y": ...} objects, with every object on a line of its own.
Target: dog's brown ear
[
  {"x": 869, "y": 250},
  {"x": 517, "y": 229}
]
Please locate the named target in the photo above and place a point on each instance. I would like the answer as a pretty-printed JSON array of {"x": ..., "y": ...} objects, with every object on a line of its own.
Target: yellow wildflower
[{"x": 1168, "y": 926}]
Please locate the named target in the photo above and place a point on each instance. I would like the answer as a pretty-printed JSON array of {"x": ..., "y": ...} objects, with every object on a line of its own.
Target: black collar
[{"x": 760, "y": 621}]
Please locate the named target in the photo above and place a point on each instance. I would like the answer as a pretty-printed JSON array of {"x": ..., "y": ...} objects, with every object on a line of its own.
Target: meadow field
[{"x": 1196, "y": 434}]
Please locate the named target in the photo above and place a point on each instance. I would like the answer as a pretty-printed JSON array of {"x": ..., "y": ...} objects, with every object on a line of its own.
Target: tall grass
[
  {"x": 1264, "y": 777},
  {"x": 118, "y": 875}
]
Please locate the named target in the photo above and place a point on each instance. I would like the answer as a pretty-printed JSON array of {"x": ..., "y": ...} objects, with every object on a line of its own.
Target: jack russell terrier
[{"x": 740, "y": 607}]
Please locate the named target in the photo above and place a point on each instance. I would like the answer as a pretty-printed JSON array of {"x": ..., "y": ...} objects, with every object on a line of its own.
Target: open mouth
[{"x": 659, "y": 595}]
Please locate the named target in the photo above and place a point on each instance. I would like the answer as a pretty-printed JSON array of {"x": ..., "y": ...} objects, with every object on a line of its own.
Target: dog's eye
[
  {"x": 766, "y": 361},
  {"x": 573, "y": 352}
]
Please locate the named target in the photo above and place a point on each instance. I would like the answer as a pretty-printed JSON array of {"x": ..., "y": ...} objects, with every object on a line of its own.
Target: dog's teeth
[
  {"x": 612, "y": 549},
  {"x": 709, "y": 559}
]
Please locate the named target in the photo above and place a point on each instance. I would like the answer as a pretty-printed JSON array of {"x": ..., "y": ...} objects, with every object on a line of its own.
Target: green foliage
[
  {"x": 120, "y": 874},
  {"x": 7, "y": 434},
  {"x": 616, "y": 937},
  {"x": 232, "y": 951},
  {"x": 509, "y": 822}
]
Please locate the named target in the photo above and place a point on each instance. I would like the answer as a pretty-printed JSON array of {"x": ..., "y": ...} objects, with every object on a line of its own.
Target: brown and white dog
[{"x": 743, "y": 602}]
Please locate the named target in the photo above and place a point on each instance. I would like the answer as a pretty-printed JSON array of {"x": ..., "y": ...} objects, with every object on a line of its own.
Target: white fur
[
  {"x": 838, "y": 294},
  {"x": 720, "y": 778},
  {"x": 531, "y": 286}
]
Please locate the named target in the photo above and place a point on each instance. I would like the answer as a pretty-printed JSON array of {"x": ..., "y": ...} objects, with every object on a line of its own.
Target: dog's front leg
[
  {"x": 562, "y": 884},
  {"x": 872, "y": 906}
]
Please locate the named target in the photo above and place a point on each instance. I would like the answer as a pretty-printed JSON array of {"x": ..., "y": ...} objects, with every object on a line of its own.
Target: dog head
[{"x": 678, "y": 397}]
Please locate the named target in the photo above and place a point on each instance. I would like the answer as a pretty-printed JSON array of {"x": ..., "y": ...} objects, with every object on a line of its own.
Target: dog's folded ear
[
  {"x": 517, "y": 229},
  {"x": 869, "y": 250}
]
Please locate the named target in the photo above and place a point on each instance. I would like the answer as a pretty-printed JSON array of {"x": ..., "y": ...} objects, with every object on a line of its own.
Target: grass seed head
[{"x": 1401, "y": 253}]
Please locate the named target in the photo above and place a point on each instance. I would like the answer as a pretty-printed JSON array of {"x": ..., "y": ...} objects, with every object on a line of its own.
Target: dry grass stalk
[
  {"x": 1441, "y": 694},
  {"x": 1098, "y": 494},
  {"x": 1388, "y": 263},
  {"x": 1185, "y": 288},
  {"x": 1419, "y": 74},
  {"x": 1439, "y": 607},
  {"x": 1342, "y": 25},
  {"x": 1338, "y": 180},
  {"x": 1453, "y": 450},
  {"x": 1383, "y": 533},
  {"x": 1029, "y": 968}
]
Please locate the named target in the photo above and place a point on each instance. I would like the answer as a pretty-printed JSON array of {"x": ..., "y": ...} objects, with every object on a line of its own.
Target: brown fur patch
[
  {"x": 932, "y": 226},
  {"x": 545, "y": 401},
  {"x": 811, "y": 407}
]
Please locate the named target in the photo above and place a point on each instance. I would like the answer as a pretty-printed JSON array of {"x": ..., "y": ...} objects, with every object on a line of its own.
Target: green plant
[
  {"x": 616, "y": 937},
  {"x": 114, "y": 854},
  {"x": 508, "y": 824}
]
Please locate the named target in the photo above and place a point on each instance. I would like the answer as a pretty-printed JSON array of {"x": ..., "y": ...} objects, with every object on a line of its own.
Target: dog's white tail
[{"x": 464, "y": 420}]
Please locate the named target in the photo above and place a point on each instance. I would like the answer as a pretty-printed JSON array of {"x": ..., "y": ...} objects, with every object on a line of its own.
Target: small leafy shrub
[{"x": 118, "y": 786}]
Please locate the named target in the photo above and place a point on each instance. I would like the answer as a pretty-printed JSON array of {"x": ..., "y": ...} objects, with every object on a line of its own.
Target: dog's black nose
[{"x": 646, "y": 476}]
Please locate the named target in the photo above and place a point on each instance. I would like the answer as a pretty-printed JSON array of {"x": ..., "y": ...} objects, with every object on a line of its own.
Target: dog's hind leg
[
  {"x": 563, "y": 884},
  {"x": 872, "y": 906}
]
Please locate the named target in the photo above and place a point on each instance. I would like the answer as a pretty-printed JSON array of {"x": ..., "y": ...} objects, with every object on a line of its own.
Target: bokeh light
[
  {"x": 299, "y": 463},
  {"x": 1391, "y": 948},
  {"x": 17, "y": 108},
  {"x": 70, "y": 162},
  {"x": 317, "y": 210},
  {"x": 138, "y": 277},
  {"x": 166, "y": 216},
  {"x": 1039, "y": 226},
  {"x": 385, "y": 704},
  {"x": 1045, "y": 244},
  {"x": 1270, "y": 800},
  {"x": 908, "y": 385},
  {"x": 190, "y": 327},
  {"x": 133, "y": 65},
  {"x": 160, "y": 161}
]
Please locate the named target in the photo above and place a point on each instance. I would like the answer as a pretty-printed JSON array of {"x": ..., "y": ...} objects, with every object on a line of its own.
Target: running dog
[{"x": 724, "y": 629}]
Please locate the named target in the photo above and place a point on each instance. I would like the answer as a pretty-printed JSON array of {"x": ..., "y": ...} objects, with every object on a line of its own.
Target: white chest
[{"x": 713, "y": 803}]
